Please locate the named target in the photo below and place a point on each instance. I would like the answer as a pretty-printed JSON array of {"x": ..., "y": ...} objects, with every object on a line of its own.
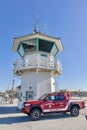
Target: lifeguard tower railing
[{"x": 38, "y": 61}]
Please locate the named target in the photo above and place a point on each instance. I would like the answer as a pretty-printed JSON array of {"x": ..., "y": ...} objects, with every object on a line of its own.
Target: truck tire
[
  {"x": 74, "y": 111},
  {"x": 35, "y": 114}
]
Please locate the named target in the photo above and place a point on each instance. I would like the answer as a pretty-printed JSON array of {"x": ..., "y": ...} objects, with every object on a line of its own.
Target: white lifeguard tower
[{"x": 37, "y": 66}]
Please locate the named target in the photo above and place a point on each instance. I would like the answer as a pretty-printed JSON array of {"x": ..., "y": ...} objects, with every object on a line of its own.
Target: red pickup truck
[{"x": 52, "y": 103}]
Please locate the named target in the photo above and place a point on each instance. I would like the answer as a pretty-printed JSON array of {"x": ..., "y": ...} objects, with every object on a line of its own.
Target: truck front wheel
[
  {"x": 35, "y": 114},
  {"x": 74, "y": 111}
]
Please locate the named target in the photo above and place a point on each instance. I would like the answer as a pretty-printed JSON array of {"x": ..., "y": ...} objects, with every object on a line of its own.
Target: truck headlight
[{"x": 26, "y": 104}]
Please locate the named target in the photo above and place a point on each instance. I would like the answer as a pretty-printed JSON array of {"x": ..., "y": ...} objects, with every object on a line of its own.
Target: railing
[{"x": 37, "y": 61}]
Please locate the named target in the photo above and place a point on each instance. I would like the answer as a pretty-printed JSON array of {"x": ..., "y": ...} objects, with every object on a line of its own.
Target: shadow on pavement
[
  {"x": 9, "y": 109},
  {"x": 21, "y": 119},
  {"x": 55, "y": 116},
  {"x": 13, "y": 120},
  {"x": 86, "y": 117}
]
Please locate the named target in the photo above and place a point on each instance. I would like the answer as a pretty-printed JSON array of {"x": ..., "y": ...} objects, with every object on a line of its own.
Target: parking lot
[{"x": 12, "y": 119}]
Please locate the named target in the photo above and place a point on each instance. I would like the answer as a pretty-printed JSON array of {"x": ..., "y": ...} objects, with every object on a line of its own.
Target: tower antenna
[
  {"x": 45, "y": 28},
  {"x": 36, "y": 23}
]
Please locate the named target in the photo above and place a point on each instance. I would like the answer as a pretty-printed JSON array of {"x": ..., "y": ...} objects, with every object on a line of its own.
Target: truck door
[
  {"x": 49, "y": 105},
  {"x": 61, "y": 103}
]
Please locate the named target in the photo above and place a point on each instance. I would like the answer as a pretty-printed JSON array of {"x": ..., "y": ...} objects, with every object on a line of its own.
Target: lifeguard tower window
[
  {"x": 21, "y": 50},
  {"x": 25, "y": 48},
  {"x": 45, "y": 45},
  {"x": 28, "y": 48}
]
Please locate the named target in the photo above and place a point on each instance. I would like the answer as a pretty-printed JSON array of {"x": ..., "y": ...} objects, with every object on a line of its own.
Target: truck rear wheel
[
  {"x": 74, "y": 111},
  {"x": 35, "y": 114}
]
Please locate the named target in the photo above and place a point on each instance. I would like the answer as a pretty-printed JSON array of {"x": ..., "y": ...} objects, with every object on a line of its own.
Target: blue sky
[{"x": 66, "y": 19}]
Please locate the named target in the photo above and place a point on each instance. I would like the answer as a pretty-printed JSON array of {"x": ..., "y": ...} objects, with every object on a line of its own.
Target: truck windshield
[{"x": 42, "y": 97}]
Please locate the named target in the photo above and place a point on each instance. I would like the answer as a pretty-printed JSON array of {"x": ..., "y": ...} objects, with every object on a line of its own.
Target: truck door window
[
  {"x": 59, "y": 97},
  {"x": 51, "y": 97}
]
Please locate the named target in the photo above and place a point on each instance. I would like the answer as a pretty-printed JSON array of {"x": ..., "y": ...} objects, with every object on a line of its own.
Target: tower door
[{"x": 29, "y": 95}]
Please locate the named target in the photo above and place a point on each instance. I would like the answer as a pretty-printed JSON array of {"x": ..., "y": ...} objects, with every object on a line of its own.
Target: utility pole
[{"x": 12, "y": 90}]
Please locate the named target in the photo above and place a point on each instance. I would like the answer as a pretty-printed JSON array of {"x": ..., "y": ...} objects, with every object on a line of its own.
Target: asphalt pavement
[{"x": 12, "y": 119}]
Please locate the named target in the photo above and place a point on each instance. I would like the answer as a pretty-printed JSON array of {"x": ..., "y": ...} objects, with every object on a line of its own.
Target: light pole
[
  {"x": 12, "y": 91},
  {"x": 13, "y": 82}
]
